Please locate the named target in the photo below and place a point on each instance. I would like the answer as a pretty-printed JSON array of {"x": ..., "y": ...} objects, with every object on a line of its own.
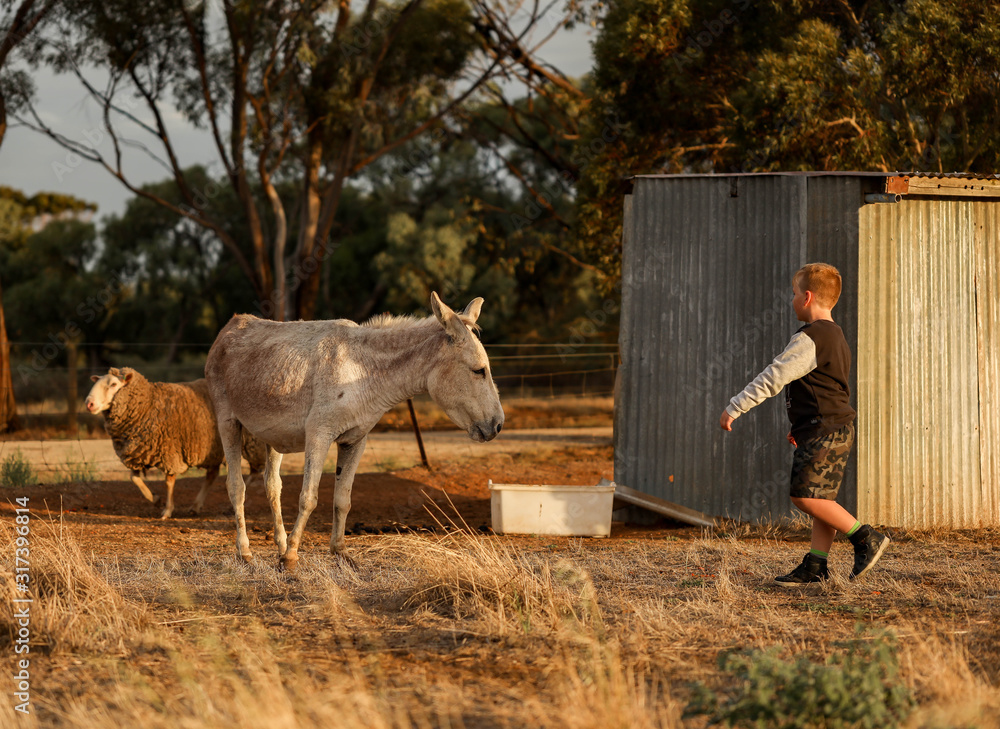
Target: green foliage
[
  {"x": 859, "y": 687},
  {"x": 16, "y": 472},
  {"x": 761, "y": 85},
  {"x": 182, "y": 287},
  {"x": 48, "y": 281},
  {"x": 45, "y": 203},
  {"x": 78, "y": 472}
]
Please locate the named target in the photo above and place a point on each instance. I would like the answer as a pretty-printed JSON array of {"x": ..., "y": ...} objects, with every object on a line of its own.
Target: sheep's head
[{"x": 105, "y": 388}]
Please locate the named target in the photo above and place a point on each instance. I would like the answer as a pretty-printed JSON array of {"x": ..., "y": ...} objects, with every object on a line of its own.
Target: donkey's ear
[
  {"x": 449, "y": 320},
  {"x": 441, "y": 310},
  {"x": 472, "y": 310}
]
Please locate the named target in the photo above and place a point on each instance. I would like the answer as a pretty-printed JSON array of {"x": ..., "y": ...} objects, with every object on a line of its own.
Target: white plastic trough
[{"x": 570, "y": 511}]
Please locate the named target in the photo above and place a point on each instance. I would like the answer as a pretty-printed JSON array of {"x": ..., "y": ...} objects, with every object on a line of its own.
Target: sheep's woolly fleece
[{"x": 166, "y": 425}]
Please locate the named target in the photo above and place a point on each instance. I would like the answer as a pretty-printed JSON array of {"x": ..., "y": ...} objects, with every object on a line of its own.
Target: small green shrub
[
  {"x": 857, "y": 688},
  {"x": 78, "y": 472},
  {"x": 16, "y": 472}
]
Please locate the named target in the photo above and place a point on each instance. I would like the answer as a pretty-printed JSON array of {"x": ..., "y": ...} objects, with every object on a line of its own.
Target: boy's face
[{"x": 799, "y": 302}]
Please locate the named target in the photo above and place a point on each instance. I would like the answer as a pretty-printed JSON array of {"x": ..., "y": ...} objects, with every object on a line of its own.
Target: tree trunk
[
  {"x": 365, "y": 310},
  {"x": 3, "y": 117},
  {"x": 8, "y": 410},
  {"x": 71, "y": 387},
  {"x": 307, "y": 267},
  {"x": 178, "y": 335}
]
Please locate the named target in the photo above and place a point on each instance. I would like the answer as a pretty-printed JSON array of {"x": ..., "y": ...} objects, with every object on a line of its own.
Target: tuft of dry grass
[
  {"x": 240, "y": 680},
  {"x": 950, "y": 692},
  {"x": 601, "y": 687},
  {"x": 74, "y": 606},
  {"x": 467, "y": 576},
  {"x": 482, "y": 580}
]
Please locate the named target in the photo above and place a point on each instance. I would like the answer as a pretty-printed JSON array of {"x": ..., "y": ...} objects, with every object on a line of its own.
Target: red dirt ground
[{"x": 380, "y": 502}]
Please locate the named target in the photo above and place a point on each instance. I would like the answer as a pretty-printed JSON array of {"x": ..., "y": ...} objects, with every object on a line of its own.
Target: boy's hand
[
  {"x": 791, "y": 439},
  {"x": 726, "y": 421}
]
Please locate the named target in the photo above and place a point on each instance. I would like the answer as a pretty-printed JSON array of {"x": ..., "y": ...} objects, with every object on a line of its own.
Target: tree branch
[{"x": 199, "y": 53}]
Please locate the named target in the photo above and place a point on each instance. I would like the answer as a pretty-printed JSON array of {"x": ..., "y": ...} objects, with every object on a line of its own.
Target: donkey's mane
[{"x": 391, "y": 321}]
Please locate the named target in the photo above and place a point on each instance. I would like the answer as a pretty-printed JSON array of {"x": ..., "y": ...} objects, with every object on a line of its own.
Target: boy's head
[{"x": 822, "y": 279}]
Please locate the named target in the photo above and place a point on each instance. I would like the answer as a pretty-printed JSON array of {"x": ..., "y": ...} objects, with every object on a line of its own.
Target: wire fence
[
  {"x": 567, "y": 370},
  {"x": 65, "y": 447}
]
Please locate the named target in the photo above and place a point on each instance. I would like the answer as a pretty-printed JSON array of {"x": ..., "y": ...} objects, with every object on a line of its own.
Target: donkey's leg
[
  {"x": 348, "y": 458},
  {"x": 170, "y": 481},
  {"x": 317, "y": 446},
  {"x": 210, "y": 476},
  {"x": 231, "y": 431},
  {"x": 137, "y": 480},
  {"x": 272, "y": 486}
]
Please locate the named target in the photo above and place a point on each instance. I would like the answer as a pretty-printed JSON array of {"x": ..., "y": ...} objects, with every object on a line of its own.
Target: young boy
[{"x": 814, "y": 370}]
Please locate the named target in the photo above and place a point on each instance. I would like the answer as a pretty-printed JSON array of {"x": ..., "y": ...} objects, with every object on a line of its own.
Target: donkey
[{"x": 301, "y": 386}]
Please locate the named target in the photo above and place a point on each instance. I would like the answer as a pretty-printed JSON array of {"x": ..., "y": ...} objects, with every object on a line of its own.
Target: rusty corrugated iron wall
[
  {"x": 918, "y": 366},
  {"x": 986, "y": 222}
]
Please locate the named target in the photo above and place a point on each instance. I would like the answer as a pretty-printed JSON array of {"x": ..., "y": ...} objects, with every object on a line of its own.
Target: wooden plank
[
  {"x": 953, "y": 187},
  {"x": 626, "y": 496}
]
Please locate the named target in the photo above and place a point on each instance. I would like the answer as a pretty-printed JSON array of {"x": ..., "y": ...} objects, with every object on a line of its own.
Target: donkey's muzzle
[{"x": 486, "y": 430}]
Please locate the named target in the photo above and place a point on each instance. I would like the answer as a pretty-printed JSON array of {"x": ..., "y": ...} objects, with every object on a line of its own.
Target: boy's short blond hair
[{"x": 823, "y": 280}]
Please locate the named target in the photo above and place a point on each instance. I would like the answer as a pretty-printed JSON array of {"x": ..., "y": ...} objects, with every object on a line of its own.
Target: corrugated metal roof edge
[
  {"x": 932, "y": 175},
  {"x": 898, "y": 184}
]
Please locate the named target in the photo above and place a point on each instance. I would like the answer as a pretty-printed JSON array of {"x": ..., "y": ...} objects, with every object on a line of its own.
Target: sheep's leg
[
  {"x": 171, "y": 479},
  {"x": 317, "y": 446},
  {"x": 231, "y": 432},
  {"x": 137, "y": 480},
  {"x": 210, "y": 476},
  {"x": 348, "y": 458},
  {"x": 272, "y": 485}
]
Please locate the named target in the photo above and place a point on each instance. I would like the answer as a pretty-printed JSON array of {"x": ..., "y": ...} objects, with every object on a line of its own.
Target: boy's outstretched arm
[{"x": 797, "y": 360}]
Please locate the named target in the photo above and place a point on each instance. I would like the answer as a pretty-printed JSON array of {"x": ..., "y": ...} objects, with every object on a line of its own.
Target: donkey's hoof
[{"x": 287, "y": 565}]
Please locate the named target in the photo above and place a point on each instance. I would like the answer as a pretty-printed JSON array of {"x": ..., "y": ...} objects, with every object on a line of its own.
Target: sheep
[{"x": 165, "y": 425}]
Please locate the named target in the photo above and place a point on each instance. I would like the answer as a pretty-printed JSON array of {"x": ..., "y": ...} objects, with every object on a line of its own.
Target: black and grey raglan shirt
[{"x": 814, "y": 370}]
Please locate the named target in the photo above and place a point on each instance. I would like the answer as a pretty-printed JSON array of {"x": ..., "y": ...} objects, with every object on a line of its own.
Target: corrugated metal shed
[{"x": 706, "y": 304}]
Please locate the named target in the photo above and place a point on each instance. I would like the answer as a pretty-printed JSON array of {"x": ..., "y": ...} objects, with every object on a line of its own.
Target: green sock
[
  {"x": 857, "y": 525},
  {"x": 819, "y": 553}
]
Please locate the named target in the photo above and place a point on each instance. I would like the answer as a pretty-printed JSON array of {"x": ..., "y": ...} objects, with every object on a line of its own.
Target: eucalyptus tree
[
  {"x": 46, "y": 248},
  {"x": 18, "y": 21},
  {"x": 307, "y": 93}
]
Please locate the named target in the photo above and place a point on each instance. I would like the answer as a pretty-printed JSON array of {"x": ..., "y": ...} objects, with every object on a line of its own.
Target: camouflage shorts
[{"x": 818, "y": 465}]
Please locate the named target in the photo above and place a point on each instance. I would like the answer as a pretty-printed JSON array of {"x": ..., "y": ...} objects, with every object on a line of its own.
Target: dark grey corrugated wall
[{"x": 706, "y": 304}]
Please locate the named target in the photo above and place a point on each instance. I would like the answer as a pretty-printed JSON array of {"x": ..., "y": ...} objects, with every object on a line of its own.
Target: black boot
[
  {"x": 813, "y": 569},
  {"x": 868, "y": 548}
]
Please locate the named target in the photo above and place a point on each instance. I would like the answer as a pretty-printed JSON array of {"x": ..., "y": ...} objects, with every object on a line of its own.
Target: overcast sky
[{"x": 32, "y": 163}]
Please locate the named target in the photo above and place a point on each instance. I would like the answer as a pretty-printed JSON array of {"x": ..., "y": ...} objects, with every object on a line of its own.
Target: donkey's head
[{"x": 462, "y": 383}]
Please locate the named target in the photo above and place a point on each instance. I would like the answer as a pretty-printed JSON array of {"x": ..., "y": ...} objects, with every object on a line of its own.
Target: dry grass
[
  {"x": 239, "y": 680},
  {"x": 484, "y": 631},
  {"x": 482, "y": 581},
  {"x": 74, "y": 606}
]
